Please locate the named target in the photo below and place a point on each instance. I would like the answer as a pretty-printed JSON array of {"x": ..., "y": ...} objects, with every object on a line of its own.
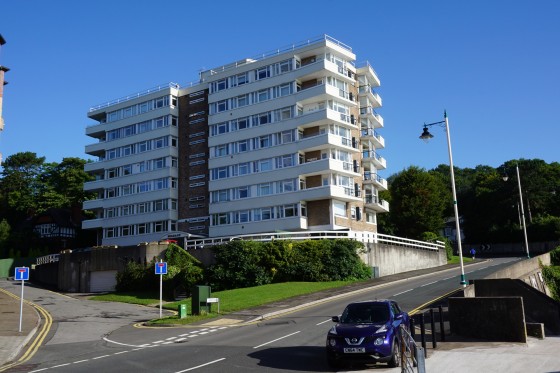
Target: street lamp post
[
  {"x": 522, "y": 209},
  {"x": 426, "y": 136}
]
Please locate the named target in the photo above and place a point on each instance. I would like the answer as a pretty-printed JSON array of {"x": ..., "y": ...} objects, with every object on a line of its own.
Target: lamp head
[
  {"x": 426, "y": 135},
  {"x": 505, "y": 177}
]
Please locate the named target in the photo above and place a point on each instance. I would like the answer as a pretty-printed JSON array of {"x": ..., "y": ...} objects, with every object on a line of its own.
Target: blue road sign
[
  {"x": 161, "y": 268},
  {"x": 22, "y": 273}
]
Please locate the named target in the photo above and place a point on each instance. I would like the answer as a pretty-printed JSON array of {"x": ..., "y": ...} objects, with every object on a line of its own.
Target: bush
[
  {"x": 432, "y": 237},
  {"x": 248, "y": 263},
  {"x": 555, "y": 257},
  {"x": 551, "y": 276}
]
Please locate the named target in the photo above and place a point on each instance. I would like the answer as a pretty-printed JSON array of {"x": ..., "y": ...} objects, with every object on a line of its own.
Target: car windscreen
[{"x": 365, "y": 314}]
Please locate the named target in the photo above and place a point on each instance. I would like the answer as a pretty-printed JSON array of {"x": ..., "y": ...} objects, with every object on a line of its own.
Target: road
[{"x": 293, "y": 342}]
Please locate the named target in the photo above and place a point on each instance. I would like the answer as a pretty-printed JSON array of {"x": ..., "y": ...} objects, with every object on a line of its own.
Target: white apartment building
[
  {"x": 292, "y": 144},
  {"x": 136, "y": 170},
  {"x": 287, "y": 141}
]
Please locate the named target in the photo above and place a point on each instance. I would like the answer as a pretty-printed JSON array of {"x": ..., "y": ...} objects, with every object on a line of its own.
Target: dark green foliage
[
  {"x": 555, "y": 257},
  {"x": 432, "y": 237},
  {"x": 183, "y": 272},
  {"x": 250, "y": 263}
]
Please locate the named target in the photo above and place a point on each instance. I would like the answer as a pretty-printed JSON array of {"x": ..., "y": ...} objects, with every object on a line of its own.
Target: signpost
[
  {"x": 21, "y": 274},
  {"x": 161, "y": 269}
]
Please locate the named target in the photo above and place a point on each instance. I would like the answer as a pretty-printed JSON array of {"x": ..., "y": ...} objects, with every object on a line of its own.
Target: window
[
  {"x": 265, "y": 189},
  {"x": 143, "y": 146},
  {"x": 242, "y": 216},
  {"x": 160, "y": 142},
  {"x": 243, "y": 123},
  {"x": 160, "y": 122},
  {"x": 221, "y": 106},
  {"x": 221, "y": 150},
  {"x": 222, "y": 127},
  {"x": 144, "y": 107},
  {"x": 288, "y": 136},
  {"x": 142, "y": 208},
  {"x": 112, "y": 153},
  {"x": 110, "y": 232},
  {"x": 285, "y": 89},
  {"x": 220, "y": 196},
  {"x": 285, "y": 186},
  {"x": 242, "y": 79},
  {"x": 339, "y": 208},
  {"x": 265, "y": 141},
  {"x": 126, "y": 150},
  {"x": 289, "y": 211},
  {"x": 111, "y": 192},
  {"x": 144, "y": 186},
  {"x": 126, "y": 230},
  {"x": 265, "y": 165},
  {"x": 161, "y": 102},
  {"x": 127, "y": 169},
  {"x": 262, "y": 73},
  {"x": 112, "y": 172},
  {"x": 160, "y": 226},
  {"x": 142, "y": 228},
  {"x": 243, "y": 146},
  {"x": 263, "y": 95},
  {"x": 127, "y": 189},
  {"x": 242, "y": 100},
  {"x": 110, "y": 213},
  {"x": 221, "y": 84},
  {"x": 266, "y": 213},
  {"x": 244, "y": 168},
  {"x": 160, "y": 205},
  {"x": 242, "y": 192},
  {"x": 220, "y": 173},
  {"x": 160, "y": 184},
  {"x": 158, "y": 163}
]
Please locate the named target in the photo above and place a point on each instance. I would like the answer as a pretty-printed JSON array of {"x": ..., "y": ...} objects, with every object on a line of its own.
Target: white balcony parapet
[
  {"x": 365, "y": 237},
  {"x": 145, "y": 92}
]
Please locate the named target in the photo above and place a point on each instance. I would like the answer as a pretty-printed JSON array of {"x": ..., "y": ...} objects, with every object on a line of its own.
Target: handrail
[{"x": 135, "y": 95}]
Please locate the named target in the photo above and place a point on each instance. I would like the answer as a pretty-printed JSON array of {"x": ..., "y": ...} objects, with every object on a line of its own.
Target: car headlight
[
  {"x": 378, "y": 341},
  {"x": 333, "y": 330},
  {"x": 332, "y": 342},
  {"x": 382, "y": 329}
]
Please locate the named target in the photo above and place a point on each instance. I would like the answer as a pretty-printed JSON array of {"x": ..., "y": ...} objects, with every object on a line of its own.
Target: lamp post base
[{"x": 463, "y": 281}]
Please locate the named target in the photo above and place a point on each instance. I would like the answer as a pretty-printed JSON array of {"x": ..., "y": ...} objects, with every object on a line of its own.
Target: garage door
[{"x": 101, "y": 281}]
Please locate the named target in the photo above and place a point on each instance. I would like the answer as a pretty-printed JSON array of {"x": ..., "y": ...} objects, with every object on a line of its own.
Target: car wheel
[
  {"x": 396, "y": 356},
  {"x": 333, "y": 363}
]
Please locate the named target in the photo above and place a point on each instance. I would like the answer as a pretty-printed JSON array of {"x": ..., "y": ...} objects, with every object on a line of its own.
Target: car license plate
[{"x": 355, "y": 350}]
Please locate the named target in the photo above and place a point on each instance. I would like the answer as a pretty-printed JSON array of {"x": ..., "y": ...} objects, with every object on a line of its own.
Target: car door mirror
[{"x": 335, "y": 319}]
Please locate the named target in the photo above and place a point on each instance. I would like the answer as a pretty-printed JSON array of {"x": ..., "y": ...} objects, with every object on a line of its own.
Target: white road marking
[
  {"x": 277, "y": 339},
  {"x": 100, "y": 357},
  {"x": 429, "y": 283},
  {"x": 402, "y": 292},
  {"x": 60, "y": 365},
  {"x": 80, "y": 361},
  {"x": 202, "y": 365}
]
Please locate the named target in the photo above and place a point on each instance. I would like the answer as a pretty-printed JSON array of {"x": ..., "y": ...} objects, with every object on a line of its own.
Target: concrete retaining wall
[
  {"x": 539, "y": 308},
  {"x": 494, "y": 319},
  {"x": 397, "y": 259}
]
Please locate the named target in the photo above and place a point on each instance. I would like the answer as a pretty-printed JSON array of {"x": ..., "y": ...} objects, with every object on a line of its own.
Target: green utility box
[
  {"x": 182, "y": 311},
  {"x": 199, "y": 295}
]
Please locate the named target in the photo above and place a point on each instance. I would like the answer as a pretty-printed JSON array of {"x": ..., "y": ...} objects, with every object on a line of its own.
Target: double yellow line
[{"x": 38, "y": 338}]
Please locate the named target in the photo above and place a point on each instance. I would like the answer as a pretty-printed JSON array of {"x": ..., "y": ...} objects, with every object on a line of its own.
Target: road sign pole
[
  {"x": 160, "y": 291},
  {"x": 21, "y": 305}
]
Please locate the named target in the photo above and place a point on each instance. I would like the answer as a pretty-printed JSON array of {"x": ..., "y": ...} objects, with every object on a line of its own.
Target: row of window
[
  {"x": 259, "y": 214},
  {"x": 141, "y": 147},
  {"x": 252, "y": 121},
  {"x": 141, "y": 108},
  {"x": 255, "y": 143},
  {"x": 251, "y": 98},
  {"x": 254, "y": 75},
  {"x": 138, "y": 229},
  {"x": 141, "y": 187},
  {"x": 140, "y": 208},
  {"x": 139, "y": 167},
  {"x": 262, "y": 165},
  {"x": 145, "y": 126},
  {"x": 259, "y": 190}
]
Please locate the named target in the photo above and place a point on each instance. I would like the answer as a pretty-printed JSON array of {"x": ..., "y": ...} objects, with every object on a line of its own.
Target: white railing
[
  {"x": 365, "y": 237},
  {"x": 47, "y": 259},
  {"x": 135, "y": 95}
]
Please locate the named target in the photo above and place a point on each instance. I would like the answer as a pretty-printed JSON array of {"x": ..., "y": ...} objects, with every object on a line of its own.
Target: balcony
[
  {"x": 327, "y": 141},
  {"x": 321, "y": 166},
  {"x": 370, "y": 114},
  {"x": 373, "y": 97},
  {"x": 373, "y": 157},
  {"x": 377, "y": 204},
  {"x": 372, "y": 135},
  {"x": 323, "y": 92},
  {"x": 376, "y": 180},
  {"x": 370, "y": 74}
]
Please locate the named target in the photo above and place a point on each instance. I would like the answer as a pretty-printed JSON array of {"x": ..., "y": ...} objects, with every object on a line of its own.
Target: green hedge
[
  {"x": 551, "y": 274},
  {"x": 241, "y": 264}
]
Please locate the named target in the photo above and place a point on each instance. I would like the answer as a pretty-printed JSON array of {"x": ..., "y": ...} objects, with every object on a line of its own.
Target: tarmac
[{"x": 457, "y": 354}]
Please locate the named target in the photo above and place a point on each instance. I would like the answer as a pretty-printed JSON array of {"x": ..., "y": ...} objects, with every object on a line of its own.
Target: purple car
[{"x": 367, "y": 332}]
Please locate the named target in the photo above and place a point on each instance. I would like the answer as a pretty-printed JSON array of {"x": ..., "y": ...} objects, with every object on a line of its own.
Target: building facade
[
  {"x": 136, "y": 169},
  {"x": 284, "y": 142}
]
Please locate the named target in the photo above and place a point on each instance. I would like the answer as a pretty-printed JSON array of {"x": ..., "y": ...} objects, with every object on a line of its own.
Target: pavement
[{"x": 457, "y": 354}]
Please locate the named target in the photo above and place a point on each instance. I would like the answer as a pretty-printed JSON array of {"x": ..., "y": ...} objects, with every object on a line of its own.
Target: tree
[
  {"x": 20, "y": 185},
  {"x": 418, "y": 201}
]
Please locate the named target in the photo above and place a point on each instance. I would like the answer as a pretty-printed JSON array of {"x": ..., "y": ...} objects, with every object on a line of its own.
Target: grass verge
[{"x": 230, "y": 300}]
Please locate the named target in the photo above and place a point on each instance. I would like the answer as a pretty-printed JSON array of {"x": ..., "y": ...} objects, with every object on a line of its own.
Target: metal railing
[
  {"x": 364, "y": 237},
  {"x": 145, "y": 92},
  {"x": 409, "y": 352}
]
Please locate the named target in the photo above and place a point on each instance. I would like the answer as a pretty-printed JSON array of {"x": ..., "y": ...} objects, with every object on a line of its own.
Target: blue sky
[{"x": 493, "y": 65}]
